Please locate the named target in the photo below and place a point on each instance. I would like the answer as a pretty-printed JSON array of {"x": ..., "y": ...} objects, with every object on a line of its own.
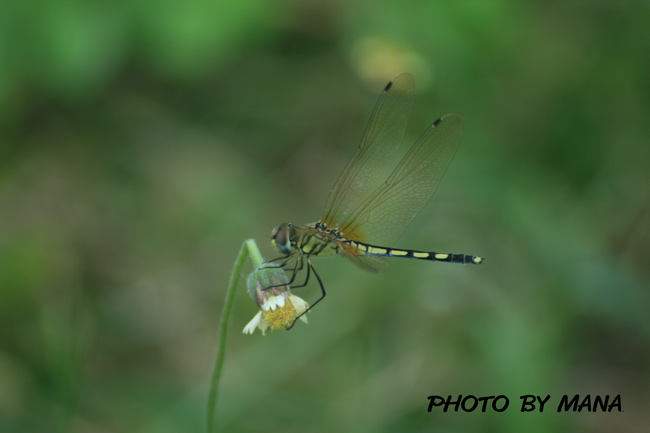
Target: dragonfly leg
[
  {"x": 322, "y": 291},
  {"x": 309, "y": 268},
  {"x": 288, "y": 259},
  {"x": 297, "y": 268},
  {"x": 295, "y": 271}
]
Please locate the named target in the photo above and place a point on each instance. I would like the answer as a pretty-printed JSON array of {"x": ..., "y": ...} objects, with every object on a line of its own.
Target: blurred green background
[{"x": 142, "y": 142}]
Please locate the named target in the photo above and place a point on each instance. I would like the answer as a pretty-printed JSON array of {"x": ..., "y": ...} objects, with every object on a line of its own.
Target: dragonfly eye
[{"x": 281, "y": 240}]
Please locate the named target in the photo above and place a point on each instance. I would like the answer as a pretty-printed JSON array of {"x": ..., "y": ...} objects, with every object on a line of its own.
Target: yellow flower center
[{"x": 281, "y": 317}]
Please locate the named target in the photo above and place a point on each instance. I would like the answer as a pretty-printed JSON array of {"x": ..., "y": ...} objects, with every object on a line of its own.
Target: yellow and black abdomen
[{"x": 412, "y": 254}]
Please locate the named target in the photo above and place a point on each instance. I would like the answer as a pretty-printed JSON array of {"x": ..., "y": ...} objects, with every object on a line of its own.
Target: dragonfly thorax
[{"x": 311, "y": 240}]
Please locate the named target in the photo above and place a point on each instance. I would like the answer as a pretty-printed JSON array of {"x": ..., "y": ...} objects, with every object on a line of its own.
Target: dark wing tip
[
  {"x": 390, "y": 83},
  {"x": 437, "y": 122}
]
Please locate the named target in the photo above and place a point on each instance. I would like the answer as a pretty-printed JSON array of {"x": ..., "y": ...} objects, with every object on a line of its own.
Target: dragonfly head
[{"x": 281, "y": 238}]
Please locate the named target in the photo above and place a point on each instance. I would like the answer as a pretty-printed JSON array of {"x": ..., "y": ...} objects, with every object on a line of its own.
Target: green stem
[
  {"x": 248, "y": 249},
  {"x": 254, "y": 252}
]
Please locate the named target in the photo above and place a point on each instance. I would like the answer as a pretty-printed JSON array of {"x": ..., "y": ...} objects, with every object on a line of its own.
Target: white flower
[{"x": 277, "y": 312}]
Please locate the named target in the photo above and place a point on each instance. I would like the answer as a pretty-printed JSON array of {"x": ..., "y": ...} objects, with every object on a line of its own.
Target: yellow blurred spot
[{"x": 377, "y": 60}]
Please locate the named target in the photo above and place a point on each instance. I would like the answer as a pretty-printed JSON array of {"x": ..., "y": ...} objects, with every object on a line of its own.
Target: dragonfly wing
[
  {"x": 388, "y": 210},
  {"x": 376, "y": 155},
  {"x": 365, "y": 261}
]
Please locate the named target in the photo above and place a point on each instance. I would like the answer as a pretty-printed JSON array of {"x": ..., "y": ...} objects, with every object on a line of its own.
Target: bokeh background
[{"x": 142, "y": 142}]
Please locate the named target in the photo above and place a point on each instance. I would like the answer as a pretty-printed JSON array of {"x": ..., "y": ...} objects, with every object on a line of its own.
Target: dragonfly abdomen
[{"x": 412, "y": 254}]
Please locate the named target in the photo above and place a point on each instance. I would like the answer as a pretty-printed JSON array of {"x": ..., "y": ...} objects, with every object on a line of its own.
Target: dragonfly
[{"x": 378, "y": 194}]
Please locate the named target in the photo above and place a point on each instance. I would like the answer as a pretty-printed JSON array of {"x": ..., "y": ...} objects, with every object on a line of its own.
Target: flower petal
[
  {"x": 254, "y": 323},
  {"x": 299, "y": 303}
]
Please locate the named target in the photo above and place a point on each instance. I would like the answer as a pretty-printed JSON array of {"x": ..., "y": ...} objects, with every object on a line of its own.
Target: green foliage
[{"x": 141, "y": 142}]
